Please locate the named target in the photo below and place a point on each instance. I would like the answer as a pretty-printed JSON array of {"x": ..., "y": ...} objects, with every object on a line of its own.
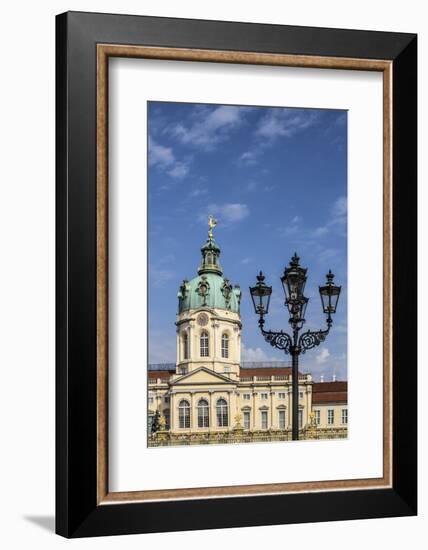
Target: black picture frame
[{"x": 77, "y": 511}]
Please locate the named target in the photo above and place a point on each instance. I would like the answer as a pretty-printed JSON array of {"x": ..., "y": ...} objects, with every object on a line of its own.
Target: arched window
[
  {"x": 222, "y": 413},
  {"x": 203, "y": 414},
  {"x": 225, "y": 345},
  {"x": 185, "y": 346},
  {"x": 184, "y": 414},
  {"x": 204, "y": 344}
]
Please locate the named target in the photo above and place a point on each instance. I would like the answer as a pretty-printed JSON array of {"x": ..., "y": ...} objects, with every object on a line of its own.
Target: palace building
[{"x": 210, "y": 396}]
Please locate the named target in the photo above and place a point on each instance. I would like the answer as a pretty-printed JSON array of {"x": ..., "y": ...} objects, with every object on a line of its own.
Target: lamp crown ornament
[{"x": 294, "y": 262}]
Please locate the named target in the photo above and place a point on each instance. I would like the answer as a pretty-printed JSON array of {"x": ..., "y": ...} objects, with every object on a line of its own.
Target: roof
[
  {"x": 209, "y": 289},
  {"x": 264, "y": 364},
  {"x": 338, "y": 385},
  {"x": 263, "y": 371},
  {"x": 244, "y": 365},
  {"x": 164, "y": 374},
  {"x": 162, "y": 366},
  {"x": 330, "y": 392}
]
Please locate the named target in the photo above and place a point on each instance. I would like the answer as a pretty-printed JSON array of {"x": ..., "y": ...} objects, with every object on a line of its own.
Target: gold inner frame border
[{"x": 104, "y": 52}]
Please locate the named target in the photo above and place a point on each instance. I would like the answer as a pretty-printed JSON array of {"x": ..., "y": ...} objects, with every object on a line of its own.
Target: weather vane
[{"x": 212, "y": 222}]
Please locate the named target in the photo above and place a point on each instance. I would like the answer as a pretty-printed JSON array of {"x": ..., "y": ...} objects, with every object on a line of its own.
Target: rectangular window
[
  {"x": 247, "y": 396},
  {"x": 300, "y": 418},
  {"x": 185, "y": 346},
  {"x": 330, "y": 416},
  {"x": 281, "y": 396},
  {"x": 226, "y": 370},
  {"x": 151, "y": 400},
  {"x": 344, "y": 416},
  {"x": 222, "y": 413},
  {"x": 203, "y": 414},
  {"x": 225, "y": 346},
  {"x": 317, "y": 417},
  {"x": 264, "y": 418},
  {"x": 166, "y": 398},
  {"x": 300, "y": 395},
  {"x": 246, "y": 420},
  {"x": 184, "y": 415},
  {"x": 204, "y": 345},
  {"x": 263, "y": 396},
  {"x": 281, "y": 418}
]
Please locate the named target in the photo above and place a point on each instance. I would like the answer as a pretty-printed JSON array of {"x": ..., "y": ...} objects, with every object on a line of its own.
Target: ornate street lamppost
[{"x": 293, "y": 281}]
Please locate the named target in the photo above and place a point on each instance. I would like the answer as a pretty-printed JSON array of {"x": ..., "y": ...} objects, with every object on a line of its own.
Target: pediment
[{"x": 203, "y": 376}]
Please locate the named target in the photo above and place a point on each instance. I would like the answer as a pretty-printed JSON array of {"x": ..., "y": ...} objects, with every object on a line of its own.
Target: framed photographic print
[{"x": 236, "y": 243}]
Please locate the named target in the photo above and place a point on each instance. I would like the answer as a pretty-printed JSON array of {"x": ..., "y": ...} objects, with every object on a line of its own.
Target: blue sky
[{"x": 276, "y": 180}]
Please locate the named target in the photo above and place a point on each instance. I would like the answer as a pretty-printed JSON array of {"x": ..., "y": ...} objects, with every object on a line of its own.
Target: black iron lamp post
[{"x": 293, "y": 281}]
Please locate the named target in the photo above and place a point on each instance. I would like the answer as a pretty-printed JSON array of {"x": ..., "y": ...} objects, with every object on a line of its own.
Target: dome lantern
[
  {"x": 210, "y": 252},
  {"x": 209, "y": 289}
]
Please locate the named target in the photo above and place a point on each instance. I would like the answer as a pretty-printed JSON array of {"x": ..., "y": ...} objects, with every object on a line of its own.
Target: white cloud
[
  {"x": 254, "y": 354},
  {"x": 285, "y": 123},
  {"x": 338, "y": 214},
  {"x": 198, "y": 192},
  {"x": 245, "y": 261},
  {"x": 339, "y": 210},
  {"x": 164, "y": 159},
  {"x": 159, "y": 155},
  {"x": 249, "y": 158},
  {"x": 179, "y": 170},
  {"x": 227, "y": 213},
  {"x": 335, "y": 364},
  {"x": 210, "y": 127},
  {"x": 320, "y": 231},
  {"x": 322, "y": 356},
  {"x": 269, "y": 188},
  {"x": 292, "y": 227}
]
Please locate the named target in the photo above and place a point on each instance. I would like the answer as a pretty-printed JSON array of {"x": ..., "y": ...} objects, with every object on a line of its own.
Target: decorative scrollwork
[
  {"x": 279, "y": 340},
  {"x": 226, "y": 290},
  {"x": 309, "y": 340}
]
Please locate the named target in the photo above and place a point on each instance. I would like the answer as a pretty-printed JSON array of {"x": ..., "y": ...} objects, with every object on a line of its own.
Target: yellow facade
[{"x": 209, "y": 395}]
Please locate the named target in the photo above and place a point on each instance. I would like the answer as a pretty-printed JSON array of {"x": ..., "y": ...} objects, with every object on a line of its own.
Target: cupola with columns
[{"x": 208, "y": 320}]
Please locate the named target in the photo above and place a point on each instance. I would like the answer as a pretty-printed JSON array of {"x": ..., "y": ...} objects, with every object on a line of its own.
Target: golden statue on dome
[{"x": 212, "y": 222}]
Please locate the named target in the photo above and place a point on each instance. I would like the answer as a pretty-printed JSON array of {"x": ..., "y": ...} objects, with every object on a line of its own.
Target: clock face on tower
[{"x": 202, "y": 319}]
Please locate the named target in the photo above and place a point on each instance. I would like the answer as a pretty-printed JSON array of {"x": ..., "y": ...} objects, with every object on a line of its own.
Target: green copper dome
[{"x": 209, "y": 289}]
